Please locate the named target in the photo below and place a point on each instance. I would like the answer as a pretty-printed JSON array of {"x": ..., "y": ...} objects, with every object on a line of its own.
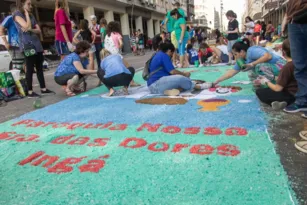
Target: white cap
[{"x": 93, "y": 17}]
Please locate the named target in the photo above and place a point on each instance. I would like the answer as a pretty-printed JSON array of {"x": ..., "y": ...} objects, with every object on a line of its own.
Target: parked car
[{"x": 5, "y": 58}]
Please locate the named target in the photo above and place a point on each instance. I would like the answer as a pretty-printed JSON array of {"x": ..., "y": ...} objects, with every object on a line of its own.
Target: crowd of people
[{"x": 280, "y": 81}]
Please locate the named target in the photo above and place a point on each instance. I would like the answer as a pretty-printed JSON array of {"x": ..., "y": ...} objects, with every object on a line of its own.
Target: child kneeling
[
  {"x": 72, "y": 70},
  {"x": 282, "y": 93},
  {"x": 114, "y": 71}
]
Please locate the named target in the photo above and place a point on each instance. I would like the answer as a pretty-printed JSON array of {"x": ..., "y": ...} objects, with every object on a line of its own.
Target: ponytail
[{"x": 242, "y": 44}]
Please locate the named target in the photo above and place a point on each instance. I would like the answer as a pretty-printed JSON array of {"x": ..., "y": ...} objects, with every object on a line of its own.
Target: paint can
[
  {"x": 240, "y": 63},
  {"x": 196, "y": 63}
]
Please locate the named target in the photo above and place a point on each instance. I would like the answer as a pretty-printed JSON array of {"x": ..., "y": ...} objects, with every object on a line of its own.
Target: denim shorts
[
  {"x": 230, "y": 45},
  {"x": 62, "y": 48},
  {"x": 181, "y": 47}
]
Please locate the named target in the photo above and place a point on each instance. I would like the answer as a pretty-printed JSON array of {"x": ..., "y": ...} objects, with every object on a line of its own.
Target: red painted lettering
[
  {"x": 106, "y": 125},
  {"x": 63, "y": 124},
  {"x": 152, "y": 147},
  {"x": 201, "y": 149},
  {"x": 171, "y": 129},
  {"x": 236, "y": 131},
  {"x": 62, "y": 139},
  {"x": 91, "y": 126},
  {"x": 74, "y": 126},
  {"x": 49, "y": 123},
  {"x": 79, "y": 141},
  {"x": 212, "y": 131},
  {"x": 22, "y": 122},
  {"x": 15, "y": 137},
  {"x": 99, "y": 142},
  {"x": 119, "y": 127},
  {"x": 35, "y": 124},
  {"x": 228, "y": 150},
  {"x": 179, "y": 147},
  {"x": 149, "y": 127},
  {"x": 192, "y": 130},
  {"x": 49, "y": 160},
  {"x": 6, "y": 135},
  {"x": 92, "y": 166},
  {"x": 31, "y": 158},
  {"x": 138, "y": 142},
  {"x": 28, "y": 139},
  {"x": 62, "y": 167}
]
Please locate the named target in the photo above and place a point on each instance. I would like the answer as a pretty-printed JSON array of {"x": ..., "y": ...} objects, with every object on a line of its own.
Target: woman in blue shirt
[
  {"x": 70, "y": 73},
  {"x": 115, "y": 71},
  {"x": 257, "y": 58}
]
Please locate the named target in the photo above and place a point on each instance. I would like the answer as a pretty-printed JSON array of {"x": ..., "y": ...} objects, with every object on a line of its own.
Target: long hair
[
  {"x": 176, "y": 12},
  {"x": 232, "y": 14},
  {"x": 104, "y": 53},
  {"x": 20, "y": 4},
  {"x": 239, "y": 46},
  {"x": 113, "y": 26},
  {"x": 249, "y": 18},
  {"x": 63, "y": 4}
]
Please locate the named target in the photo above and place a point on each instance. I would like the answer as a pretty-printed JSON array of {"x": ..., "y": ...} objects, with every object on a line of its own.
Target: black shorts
[
  {"x": 248, "y": 33},
  {"x": 62, "y": 80},
  {"x": 257, "y": 34},
  {"x": 122, "y": 79}
]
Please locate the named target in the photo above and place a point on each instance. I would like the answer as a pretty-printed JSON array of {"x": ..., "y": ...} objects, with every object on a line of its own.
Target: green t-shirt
[
  {"x": 103, "y": 33},
  {"x": 177, "y": 28},
  {"x": 171, "y": 21}
]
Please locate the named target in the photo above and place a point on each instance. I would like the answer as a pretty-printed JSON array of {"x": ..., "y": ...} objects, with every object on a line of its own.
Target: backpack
[{"x": 146, "y": 73}]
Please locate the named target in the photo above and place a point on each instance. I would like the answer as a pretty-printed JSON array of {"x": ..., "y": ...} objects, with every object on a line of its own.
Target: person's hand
[
  {"x": 7, "y": 46},
  {"x": 263, "y": 80},
  {"x": 187, "y": 74},
  {"x": 215, "y": 84},
  {"x": 70, "y": 46},
  {"x": 247, "y": 67},
  {"x": 180, "y": 41}
]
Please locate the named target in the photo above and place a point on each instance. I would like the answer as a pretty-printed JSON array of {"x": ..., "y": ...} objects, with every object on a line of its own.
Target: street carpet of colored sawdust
[{"x": 114, "y": 151}]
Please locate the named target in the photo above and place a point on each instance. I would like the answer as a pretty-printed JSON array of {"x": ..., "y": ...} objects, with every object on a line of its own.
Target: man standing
[
  {"x": 296, "y": 16},
  {"x": 12, "y": 44}
]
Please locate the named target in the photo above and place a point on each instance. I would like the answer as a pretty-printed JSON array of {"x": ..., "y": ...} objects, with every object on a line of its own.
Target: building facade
[
  {"x": 132, "y": 15},
  {"x": 204, "y": 14},
  {"x": 274, "y": 11},
  {"x": 217, "y": 21},
  {"x": 254, "y": 9}
]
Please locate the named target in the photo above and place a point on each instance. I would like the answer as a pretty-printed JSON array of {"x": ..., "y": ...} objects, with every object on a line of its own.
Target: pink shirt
[
  {"x": 61, "y": 18},
  {"x": 116, "y": 37}
]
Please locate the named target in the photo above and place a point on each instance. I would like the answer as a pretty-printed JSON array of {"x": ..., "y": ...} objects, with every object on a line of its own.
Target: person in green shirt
[
  {"x": 169, "y": 20},
  {"x": 103, "y": 30},
  {"x": 182, "y": 35}
]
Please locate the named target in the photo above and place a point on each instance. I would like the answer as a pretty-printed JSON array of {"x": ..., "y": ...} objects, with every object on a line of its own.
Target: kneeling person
[
  {"x": 282, "y": 93},
  {"x": 115, "y": 71},
  {"x": 165, "y": 79},
  {"x": 72, "y": 70}
]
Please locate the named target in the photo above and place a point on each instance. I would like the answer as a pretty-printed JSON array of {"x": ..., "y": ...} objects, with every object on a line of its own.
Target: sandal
[
  {"x": 69, "y": 92},
  {"x": 301, "y": 146},
  {"x": 303, "y": 135},
  {"x": 304, "y": 115}
]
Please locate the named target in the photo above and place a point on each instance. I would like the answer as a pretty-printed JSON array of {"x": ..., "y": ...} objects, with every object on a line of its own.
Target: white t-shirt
[
  {"x": 250, "y": 27},
  {"x": 223, "y": 48}
]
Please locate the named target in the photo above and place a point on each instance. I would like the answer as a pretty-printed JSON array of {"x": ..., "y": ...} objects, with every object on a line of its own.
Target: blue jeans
[
  {"x": 171, "y": 82},
  {"x": 298, "y": 44},
  {"x": 98, "y": 47}
]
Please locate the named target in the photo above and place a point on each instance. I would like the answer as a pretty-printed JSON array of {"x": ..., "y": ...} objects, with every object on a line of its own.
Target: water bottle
[{"x": 37, "y": 103}]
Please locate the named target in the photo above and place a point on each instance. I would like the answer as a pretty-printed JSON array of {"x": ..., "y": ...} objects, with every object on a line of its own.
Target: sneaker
[
  {"x": 304, "y": 115},
  {"x": 295, "y": 108},
  {"x": 303, "y": 135},
  {"x": 33, "y": 95},
  {"x": 173, "y": 92},
  {"x": 301, "y": 146},
  {"x": 278, "y": 105},
  {"x": 204, "y": 86},
  {"x": 47, "y": 92}
]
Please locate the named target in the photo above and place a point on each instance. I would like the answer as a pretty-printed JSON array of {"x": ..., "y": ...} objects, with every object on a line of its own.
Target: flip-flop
[
  {"x": 303, "y": 135},
  {"x": 301, "y": 146},
  {"x": 304, "y": 115}
]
